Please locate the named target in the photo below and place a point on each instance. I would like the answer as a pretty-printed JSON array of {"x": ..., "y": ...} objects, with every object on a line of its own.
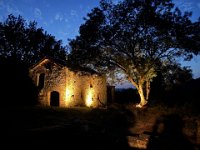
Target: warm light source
[
  {"x": 68, "y": 94},
  {"x": 89, "y": 100}
]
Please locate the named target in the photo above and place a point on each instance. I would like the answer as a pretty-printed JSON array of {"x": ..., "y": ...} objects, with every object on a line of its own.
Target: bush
[
  {"x": 16, "y": 86},
  {"x": 124, "y": 96}
]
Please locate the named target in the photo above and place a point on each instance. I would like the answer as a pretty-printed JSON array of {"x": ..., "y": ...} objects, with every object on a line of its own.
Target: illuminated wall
[
  {"x": 94, "y": 90},
  {"x": 74, "y": 88},
  {"x": 85, "y": 89}
]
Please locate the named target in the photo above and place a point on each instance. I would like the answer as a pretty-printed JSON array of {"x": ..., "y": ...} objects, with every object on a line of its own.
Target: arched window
[{"x": 41, "y": 81}]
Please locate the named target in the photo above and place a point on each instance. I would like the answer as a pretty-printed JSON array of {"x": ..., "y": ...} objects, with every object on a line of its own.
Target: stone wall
[
  {"x": 54, "y": 80},
  {"x": 74, "y": 88},
  {"x": 84, "y": 89},
  {"x": 94, "y": 90}
]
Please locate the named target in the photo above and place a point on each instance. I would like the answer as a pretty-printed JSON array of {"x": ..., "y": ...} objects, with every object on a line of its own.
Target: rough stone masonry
[{"x": 60, "y": 86}]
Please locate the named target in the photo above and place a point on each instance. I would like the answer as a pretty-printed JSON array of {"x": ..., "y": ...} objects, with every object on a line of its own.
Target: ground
[{"x": 114, "y": 127}]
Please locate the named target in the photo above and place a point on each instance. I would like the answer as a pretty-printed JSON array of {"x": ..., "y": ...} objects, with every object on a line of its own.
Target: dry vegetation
[{"x": 105, "y": 125}]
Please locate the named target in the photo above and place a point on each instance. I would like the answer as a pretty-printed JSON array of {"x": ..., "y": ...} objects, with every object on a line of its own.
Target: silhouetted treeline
[
  {"x": 16, "y": 86},
  {"x": 21, "y": 45},
  {"x": 27, "y": 43},
  {"x": 186, "y": 94}
]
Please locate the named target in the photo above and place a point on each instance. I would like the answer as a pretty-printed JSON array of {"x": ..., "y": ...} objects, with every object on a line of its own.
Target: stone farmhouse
[{"x": 60, "y": 86}]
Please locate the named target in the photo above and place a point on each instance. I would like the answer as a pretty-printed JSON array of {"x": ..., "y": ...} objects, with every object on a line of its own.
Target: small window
[{"x": 41, "y": 81}]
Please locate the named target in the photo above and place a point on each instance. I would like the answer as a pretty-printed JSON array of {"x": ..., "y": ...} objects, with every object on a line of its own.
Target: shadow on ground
[
  {"x": 168, "y": 134},
  {"x": 90, "y": 129}
]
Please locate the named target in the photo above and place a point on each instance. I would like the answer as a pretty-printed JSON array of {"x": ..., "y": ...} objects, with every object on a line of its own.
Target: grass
[
  {"x": 23, "y": 120},
  {"x": 85, "y": 124},
  {"x": 59, "y": 126},
  {"x": 148, "y": 118}
]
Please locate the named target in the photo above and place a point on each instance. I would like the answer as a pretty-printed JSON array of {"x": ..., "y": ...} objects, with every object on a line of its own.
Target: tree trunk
[
  {"x": 143, "y": 100},
  {"x": 147, "y": 90},
  {"x": 139, "y": 87}
]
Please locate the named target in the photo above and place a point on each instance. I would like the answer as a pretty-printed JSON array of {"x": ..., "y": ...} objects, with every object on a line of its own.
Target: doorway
[{"x": 54, "y": 98}]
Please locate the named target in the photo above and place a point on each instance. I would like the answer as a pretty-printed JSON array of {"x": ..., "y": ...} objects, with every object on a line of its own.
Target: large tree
[
  {"x": 135, "y": 37},
  {"x": 26, "y": 42}
]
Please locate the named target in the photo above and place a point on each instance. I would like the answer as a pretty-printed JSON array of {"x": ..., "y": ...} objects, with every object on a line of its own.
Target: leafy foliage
[
  {"x": 27, "y": 43},
  {"x": 167, "y": 78},
  {"x": 133, "y": 37},
  {"x": 21, "y": 45},
  {"x": 16, "y": 86}
]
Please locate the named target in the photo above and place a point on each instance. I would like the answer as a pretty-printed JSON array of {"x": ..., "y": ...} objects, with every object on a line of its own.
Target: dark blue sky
[{"x": 62, "y": 18}]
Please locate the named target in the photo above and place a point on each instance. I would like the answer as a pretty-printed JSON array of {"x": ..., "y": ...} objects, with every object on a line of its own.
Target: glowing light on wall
[
  {"x": 89, "y": 100},
  {"x": 68, "y": 94}
]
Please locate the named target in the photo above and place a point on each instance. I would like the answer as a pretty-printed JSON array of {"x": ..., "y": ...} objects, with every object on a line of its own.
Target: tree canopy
[
  {"x": 137, "y": 38},
  {"x": 26, "y": 42},
  {"x": 21, "y": 45}
]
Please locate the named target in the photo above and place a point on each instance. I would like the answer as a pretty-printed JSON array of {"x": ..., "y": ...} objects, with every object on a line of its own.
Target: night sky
[{"x": 62, "y": 18}]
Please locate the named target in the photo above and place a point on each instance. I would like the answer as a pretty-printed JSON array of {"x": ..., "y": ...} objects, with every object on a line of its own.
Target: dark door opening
[{"x": 54, "y": 99}]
